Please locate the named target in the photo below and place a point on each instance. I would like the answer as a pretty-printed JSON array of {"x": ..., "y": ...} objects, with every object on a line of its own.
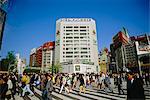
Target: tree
[
  {"x": 58, "y": 68},
  {"x": 11, "y": 57},
  {"x": 9, "y": 61}
]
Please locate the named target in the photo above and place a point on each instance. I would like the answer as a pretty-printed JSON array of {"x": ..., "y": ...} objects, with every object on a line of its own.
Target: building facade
[
  {"x": 104, "y": 60},
  {"x": 76, "y": 42},
  {"x": 142, "y": 44},
  {"x": 130, "y": 56},
  {"x": 43, "y": 56},
  {"x": 2, "y": 24},
  {"x": 32, "y": 61},
  {"x": 119, "y": 41},
  {"x": 48, "y": 55},
  {"x": 39, "y": 56}
]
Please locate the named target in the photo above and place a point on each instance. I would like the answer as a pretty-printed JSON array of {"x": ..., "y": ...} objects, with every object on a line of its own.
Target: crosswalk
[{"x": 90, "y": 94}]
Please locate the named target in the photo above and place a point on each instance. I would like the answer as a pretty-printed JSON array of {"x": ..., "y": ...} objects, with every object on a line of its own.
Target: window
[
  {"x": 69, "y": 52},
  {"x": 83, "y": 52},
  {"x": 77, "y": 68},
  {"x": 84, "y": 56},
  {"x": 76, "y": 40},
  {"x": 76, "y": 37},
  {"x": 68, "y": 40},
  {"x": 83, "y": 48},
  {"x": 69, "y": 48},
  {"x": 69, "y": 33},
  {"x": 76, "y": 44},
  {"x": 69, "y": 37},
  {"x": 76, "y": 48},
  {"x": 75, "y": 26},
  {"x": 76, "y": 52},
  {"x": 82, "y": 26},
  {"x": 75, "y": 30},
  {"x": 82, "y": 33},
  {"x": 83, "y": 30},
  {"x": 69, "y": 44},
  {"x": 68, "y": 26},
  {"x": 76, "y": 33},
  {"x": 68, "y": 30},
  {"x": 69, "y": 56}
]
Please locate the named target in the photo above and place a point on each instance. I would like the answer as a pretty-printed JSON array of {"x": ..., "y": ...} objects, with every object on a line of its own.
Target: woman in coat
[{"x": 49, "y": 87}]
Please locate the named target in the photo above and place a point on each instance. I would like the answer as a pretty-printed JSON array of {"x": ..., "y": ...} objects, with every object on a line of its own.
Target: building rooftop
[{"x": 75, "y": 20}]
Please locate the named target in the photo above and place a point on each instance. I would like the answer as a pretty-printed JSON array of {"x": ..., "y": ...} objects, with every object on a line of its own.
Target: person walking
[
  {"x": 135, "y": 90},
  {"x": 49, "y": 87},
  {"x": 26, "y": 88},
  {"x": 107, "y": 84},
  {"x": 43, "y": 86},
  {"x": 147, "y": 80},
  {"x": 82, "y": 84},
  {"x": 119, "y": 83},
  {"x": 14, "y": 82},
  {"x": 100, "y": 79},
  {"x": 3, "y": 87},
  {"x": 64, "y": 84},
  {"x": 10, "y": 86}
]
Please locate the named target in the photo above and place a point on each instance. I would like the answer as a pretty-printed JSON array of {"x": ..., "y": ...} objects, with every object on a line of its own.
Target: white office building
[{"x": 76, "y": 45}]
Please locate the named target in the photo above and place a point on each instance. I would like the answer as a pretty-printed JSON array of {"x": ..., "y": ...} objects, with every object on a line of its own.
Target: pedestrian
[
  {"x": 129, "y": 86},
  {"x": 82, "y": 84},
  {"x": 99, "y": 85},
  {"x": 3, "y": 87},
  {"x": 49, "y": 87},
  {"x": 147, "y": 79},
  {"x": 119, "y": 83},
  {"x": 14, "y": 82},
  {"x": 63, "y": 84},
  {"x": 10, "y": 90},
  {"x": 137, "y": 88},
  {"x": 43, "y": 86},
  {"x": 107, "y": 83},
  {"x": 26, "y": 88}
]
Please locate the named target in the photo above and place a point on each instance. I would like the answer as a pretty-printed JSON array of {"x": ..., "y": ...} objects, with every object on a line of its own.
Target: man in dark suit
[
  {"x": 119, "y": 82},
  {"x": 135, "y": 90},
  {"x": 49, "y": 87}
]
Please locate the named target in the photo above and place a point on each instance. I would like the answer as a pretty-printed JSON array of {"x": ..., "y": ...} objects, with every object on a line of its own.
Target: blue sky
[{"x": 30, "y": 23}]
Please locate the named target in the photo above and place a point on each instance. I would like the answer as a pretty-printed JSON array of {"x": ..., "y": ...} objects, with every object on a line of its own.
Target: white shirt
[
  {"x": 10, "y": 85},
  {"x": 132, "y": 80}
]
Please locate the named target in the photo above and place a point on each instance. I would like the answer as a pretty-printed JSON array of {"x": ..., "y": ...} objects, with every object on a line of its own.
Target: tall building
[
  {"x": 48, "y": 55},
  {"x": 76, "y": 44},
  {"x": 43, "y": 56},
  {"x": 39, "y": 56},
  {"x": 32, "y": 62},
  {"x": 142, "y": 44},
  {"x": 104, "y": 59},
  {"x": 130, "y": 56},
  {"x": 112, "y": 67},
  {"x": 119, "y": 41}
]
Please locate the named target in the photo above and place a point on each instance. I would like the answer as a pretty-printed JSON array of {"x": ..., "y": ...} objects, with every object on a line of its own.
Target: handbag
[{"x": 8, "y": 92}]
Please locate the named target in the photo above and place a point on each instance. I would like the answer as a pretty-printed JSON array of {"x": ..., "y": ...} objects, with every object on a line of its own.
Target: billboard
[
  {"x": 2, "y": 24},
  {"x": 142, "y": 49}
]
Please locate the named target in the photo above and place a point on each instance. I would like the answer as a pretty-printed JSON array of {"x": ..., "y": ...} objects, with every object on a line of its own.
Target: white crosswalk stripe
[{"x": 90, "y": 94}]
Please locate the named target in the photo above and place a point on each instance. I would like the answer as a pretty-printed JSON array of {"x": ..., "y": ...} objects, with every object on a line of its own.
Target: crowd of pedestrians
[{"x": 10, "y": 84}]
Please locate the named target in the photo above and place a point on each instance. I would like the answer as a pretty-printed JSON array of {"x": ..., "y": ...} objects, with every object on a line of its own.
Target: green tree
[
  {"x": 56, "y": 68},
  {"x": 11, "y": 57},
  {"x": 9, "y": 61}
]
